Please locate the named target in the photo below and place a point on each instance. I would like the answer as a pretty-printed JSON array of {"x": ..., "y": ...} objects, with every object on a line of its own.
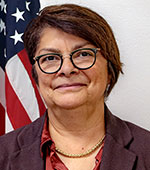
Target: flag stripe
[
  {"x": 21, "y": 84},
  {"x": 16, "y": 112},
  {"x": 2, "y": 87},
  {"x": 8, "y": 125},
  {"x": 25, "y": 61},
  {"x": 2, "y": 102}
]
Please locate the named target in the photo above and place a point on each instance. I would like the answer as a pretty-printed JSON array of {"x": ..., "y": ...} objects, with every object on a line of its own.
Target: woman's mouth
[{"x": 70, "y": 86}]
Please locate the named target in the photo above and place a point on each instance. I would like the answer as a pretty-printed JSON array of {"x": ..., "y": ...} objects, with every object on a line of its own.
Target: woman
[{"x": 76, "y": 64}]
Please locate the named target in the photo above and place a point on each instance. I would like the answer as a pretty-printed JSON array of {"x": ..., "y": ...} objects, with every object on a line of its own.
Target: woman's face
[{"x": 70, "y": 87}]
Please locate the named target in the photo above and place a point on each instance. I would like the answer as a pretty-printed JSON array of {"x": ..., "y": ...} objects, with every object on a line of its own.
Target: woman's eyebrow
[
  {"x": 55, "y": 50},
  {"x": 80, "y": 45},
  {"x": 47, "y": 50}
]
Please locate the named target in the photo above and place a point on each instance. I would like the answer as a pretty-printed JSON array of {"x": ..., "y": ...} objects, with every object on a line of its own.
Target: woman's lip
[{"x": 70, "y": 85}]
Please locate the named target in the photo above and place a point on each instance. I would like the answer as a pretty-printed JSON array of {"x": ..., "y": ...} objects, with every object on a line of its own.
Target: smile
[{"x": 70, "y": 86}]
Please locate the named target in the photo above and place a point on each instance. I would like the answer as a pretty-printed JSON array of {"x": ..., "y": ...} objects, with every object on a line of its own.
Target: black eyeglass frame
[{"x": 37, "y": 58}]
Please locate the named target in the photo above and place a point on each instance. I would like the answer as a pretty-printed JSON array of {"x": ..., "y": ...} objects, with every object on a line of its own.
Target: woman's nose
[{"x": 67, "y": 68}]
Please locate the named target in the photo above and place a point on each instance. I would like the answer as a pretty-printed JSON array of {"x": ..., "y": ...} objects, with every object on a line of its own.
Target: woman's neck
[
  {"x": 76, "y": 119},
  {"x": 83, "y": 123}
]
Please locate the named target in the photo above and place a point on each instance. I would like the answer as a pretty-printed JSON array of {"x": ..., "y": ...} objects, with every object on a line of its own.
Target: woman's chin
[{"x": 70, "y": 101}]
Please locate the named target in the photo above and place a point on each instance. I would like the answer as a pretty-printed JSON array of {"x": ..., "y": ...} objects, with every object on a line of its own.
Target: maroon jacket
[{"x": 127, "y": 146}]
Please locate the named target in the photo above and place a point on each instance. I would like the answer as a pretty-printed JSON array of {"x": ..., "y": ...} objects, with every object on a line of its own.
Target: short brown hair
[{"x": 81, "y": 22}]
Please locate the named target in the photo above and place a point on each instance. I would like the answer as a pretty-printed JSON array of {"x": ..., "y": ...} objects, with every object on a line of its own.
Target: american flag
[{"x": 20, "y": 102}]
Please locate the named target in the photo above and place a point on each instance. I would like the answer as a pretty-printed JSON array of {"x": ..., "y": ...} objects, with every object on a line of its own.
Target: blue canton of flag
[
  {"x": 17, "y": 89},
  {"x": 15, "y": 15}
]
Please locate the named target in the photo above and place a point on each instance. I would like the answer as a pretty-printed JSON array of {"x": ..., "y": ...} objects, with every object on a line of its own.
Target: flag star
[
  {"x": 27, "y": 5},
  {"x": 2, "y": 4},
  {"x": 18, "y": 15},
  {"x": 17, "y": 37},
  {"x": 2, "y": 26}
]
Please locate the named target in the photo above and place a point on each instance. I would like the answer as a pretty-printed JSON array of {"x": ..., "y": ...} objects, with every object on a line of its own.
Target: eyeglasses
[{"x": 83, "y": 58}]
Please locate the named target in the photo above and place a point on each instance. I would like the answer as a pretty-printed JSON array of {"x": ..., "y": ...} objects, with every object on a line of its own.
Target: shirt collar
[{"x": 46, "y": 139}]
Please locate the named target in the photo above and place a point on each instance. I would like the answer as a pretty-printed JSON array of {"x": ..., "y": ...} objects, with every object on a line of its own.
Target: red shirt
[{"x": 52, "y": 161}]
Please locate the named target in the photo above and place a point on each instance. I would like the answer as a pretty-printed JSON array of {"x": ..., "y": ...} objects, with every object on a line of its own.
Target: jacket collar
[
  {"x": 117, "y": 128},
  {"x": 116, "y": 154}
]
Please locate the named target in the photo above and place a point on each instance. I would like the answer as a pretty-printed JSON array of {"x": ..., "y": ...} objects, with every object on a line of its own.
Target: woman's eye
[
  {"x": 84, "y": 54},
  {"x": 50, "y": 58}
]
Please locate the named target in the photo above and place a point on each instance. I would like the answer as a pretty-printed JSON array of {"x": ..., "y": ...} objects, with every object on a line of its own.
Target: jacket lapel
[
  {"x": 28, "y": 155},
  {"x": 116, "y": 155}
]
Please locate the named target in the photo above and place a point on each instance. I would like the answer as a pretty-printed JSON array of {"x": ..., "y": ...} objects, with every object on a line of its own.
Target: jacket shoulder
[
  {"x": 141, "y": 143},
  {"x": 18, "y": 139},
  {"x": 130, "y": 138},
  {"x": 140, "y": 135},
  {"x": 137, "y": 130}
]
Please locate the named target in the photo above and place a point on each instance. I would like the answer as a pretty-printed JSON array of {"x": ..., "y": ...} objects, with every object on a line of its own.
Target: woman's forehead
[{"x": 54, "y": 40}]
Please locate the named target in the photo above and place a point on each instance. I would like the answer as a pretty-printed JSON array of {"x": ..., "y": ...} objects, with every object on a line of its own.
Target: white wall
[{"x": 130, "y": 21}]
